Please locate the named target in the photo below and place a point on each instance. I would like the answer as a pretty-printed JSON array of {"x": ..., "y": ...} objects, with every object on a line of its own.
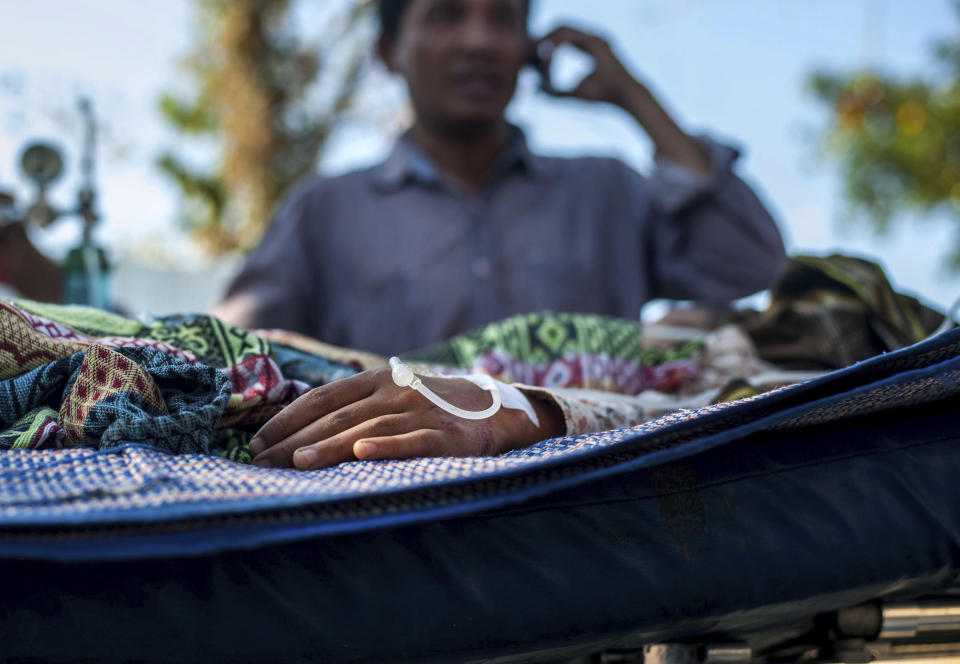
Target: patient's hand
[{"x": 368, "y": 417}]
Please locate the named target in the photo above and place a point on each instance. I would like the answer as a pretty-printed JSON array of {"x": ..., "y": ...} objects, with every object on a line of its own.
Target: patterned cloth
[
  {"x": 104, "y": 397},
  {"x": 829, "y": 312},
  {"x": 72, "y": 376},
  {"x": 548, "y": 349}
]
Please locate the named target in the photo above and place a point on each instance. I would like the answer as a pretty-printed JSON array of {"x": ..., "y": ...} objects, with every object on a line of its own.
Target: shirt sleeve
[
  {"x": 590, "y": 411},
  {"x": 272, "y": 289},
  {"x": 710, "y": 238}
]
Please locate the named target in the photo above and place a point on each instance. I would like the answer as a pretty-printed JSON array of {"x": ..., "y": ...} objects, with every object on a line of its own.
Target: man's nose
[{"x": 477, "y": 35}]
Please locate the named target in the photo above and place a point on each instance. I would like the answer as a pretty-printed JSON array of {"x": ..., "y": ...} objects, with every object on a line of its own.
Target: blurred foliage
[
  {"x": 897, "y": 141},
  {"x": 256, "y": 95}
]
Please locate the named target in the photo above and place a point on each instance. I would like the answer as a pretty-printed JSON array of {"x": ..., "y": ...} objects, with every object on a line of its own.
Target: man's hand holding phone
[{"x": 610, "y": 82}]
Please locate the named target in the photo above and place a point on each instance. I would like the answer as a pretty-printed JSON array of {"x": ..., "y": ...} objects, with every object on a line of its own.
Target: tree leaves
[
  {"x": 252, "y": 82},
  {"x": 897, "y": 141}
]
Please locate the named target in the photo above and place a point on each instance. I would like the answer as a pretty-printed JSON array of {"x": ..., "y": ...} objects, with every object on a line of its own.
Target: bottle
[{"x": 86, "y": 276}]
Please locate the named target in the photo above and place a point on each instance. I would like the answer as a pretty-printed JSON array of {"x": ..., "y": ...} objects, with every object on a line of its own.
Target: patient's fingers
[
  {"x": 310, "y": 407},
  {"x": 339, "y": 448},
  {"x": 420, "y": 443},
  {"x": 585, "y": 41},
  {"x": 327, "y": 426}
]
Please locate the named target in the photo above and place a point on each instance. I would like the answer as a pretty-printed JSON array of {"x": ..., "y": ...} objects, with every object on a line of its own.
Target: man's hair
[{"x": 391, "y": 12}]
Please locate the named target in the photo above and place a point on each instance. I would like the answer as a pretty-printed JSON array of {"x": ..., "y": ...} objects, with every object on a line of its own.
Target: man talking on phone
[{"x": 463, "y": 224}]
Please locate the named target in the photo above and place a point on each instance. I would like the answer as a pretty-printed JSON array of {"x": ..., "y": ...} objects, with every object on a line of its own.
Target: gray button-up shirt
[{"x": 395, "y": 257}]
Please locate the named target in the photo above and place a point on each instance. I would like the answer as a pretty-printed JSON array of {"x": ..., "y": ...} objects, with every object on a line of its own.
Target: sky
[{"x": 733, "y": 69}]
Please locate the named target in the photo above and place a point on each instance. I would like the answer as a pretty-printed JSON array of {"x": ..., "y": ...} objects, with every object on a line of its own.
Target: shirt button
[{"x": 481, "y": 268}]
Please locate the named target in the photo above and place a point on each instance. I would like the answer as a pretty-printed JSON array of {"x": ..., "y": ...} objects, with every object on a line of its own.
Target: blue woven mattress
[{"x": 722, "y": 520}]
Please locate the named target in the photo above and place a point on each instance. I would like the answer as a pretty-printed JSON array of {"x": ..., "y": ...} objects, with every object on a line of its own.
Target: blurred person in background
[
  {"x": 24, "y": 271},
  {"x": 463, "y": 224}
]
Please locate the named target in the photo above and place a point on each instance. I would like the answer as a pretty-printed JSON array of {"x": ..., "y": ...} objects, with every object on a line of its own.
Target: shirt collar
[{"x": 408, "y": 163}]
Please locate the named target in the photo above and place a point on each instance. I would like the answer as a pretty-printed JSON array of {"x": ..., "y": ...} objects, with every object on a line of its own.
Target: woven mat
[{"x": 51, "y": 497}]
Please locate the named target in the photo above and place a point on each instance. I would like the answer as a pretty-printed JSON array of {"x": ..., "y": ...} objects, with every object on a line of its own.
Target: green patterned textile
[{"x": 566, "y": 350}]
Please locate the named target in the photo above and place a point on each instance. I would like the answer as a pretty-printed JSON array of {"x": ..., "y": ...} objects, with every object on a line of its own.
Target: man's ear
[{"x": 385, "y": 52}]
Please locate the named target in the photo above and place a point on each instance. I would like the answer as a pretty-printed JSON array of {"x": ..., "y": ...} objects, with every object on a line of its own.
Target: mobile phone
[{"x": 539, "y": 61}]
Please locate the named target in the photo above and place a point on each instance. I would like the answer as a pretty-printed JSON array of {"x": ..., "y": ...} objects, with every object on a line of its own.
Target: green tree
[
  {"x": 897, "y": 141},
  {"x": 255, "y": 97}
]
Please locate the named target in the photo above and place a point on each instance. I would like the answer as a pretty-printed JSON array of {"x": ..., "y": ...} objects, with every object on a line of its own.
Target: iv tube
[{"x": 404, "y": 377}]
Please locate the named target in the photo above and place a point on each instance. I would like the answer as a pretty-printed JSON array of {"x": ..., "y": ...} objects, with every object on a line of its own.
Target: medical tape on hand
[{"x": 511, "y": 396}]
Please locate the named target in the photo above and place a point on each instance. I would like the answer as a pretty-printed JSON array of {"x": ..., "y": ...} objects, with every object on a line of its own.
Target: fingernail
[
  {"x": 263, "y": 463},
  {"x": 365, "y": 450},
  {"x": 305, "y": 458},
  {"x": 257, "y": 445}
]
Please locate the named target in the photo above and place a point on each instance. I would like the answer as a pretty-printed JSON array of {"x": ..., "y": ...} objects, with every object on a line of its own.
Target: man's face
[{"x": 460, "y": 58}]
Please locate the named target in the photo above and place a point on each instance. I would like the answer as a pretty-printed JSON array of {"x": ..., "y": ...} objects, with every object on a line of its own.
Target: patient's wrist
[{"x": 516, "y": 430}]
